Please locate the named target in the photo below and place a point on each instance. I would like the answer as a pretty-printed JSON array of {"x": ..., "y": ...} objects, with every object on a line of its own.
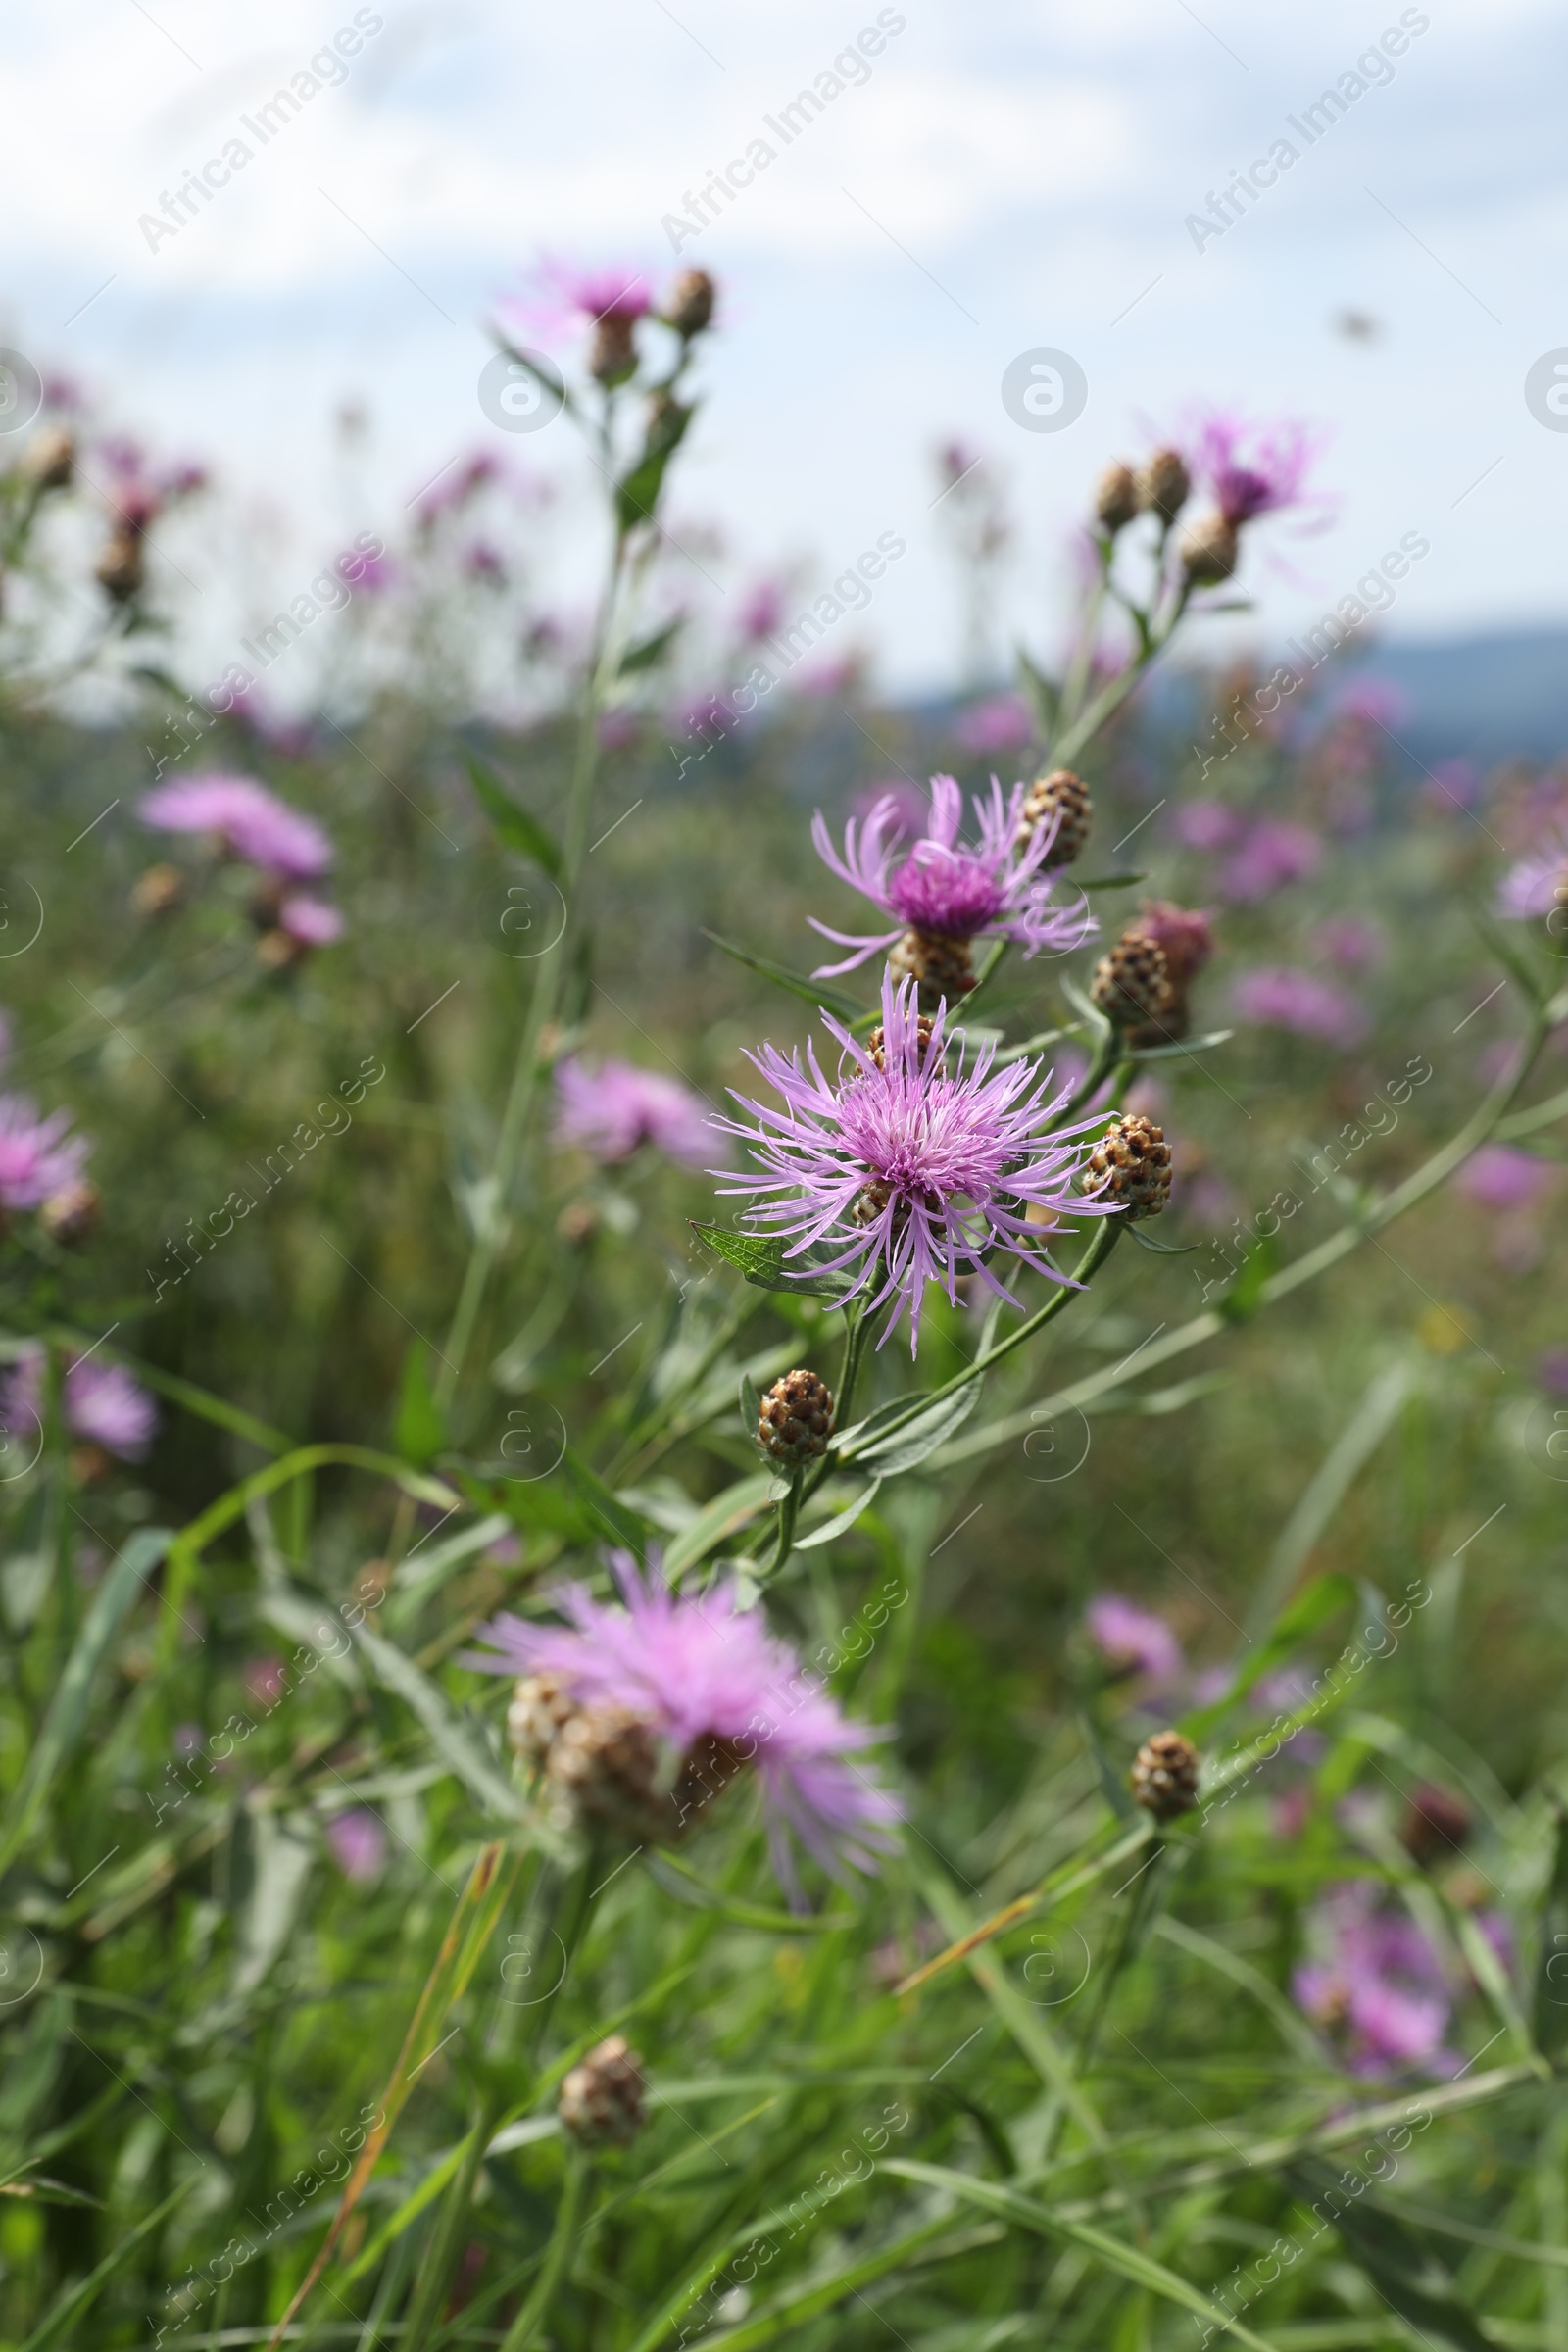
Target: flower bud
[
  {"x": 118, "y": 569},
  {"x": 1187, "y": 937},
  {"x": 1117, "y": 499},
  {"x": 612, "y": 357},
  {"x": 1164, "y": 1776},
  {"x": 876, "y": 1043},
  {"x": 944, "y": 967},
  {"x": 49, "y": 459},
  {"x": 691, "y": 305},
  {"x": 602, "y": 2099},
  {"x": 1209, "y": 550},
  {"x": 158, "y": 891},
  {"x": 1132, "y": 983},
  {"x": 71, "y": 1215},
  {"x": 796, "y": 1420},
  {"x": 1130, "y": 1166},
  {"x": 1060, "y": 799},
  {"x": 1164, "y": 484}
]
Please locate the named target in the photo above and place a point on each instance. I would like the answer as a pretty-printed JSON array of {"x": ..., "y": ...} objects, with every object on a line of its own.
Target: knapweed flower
[
  {"x": 1379, "y": 1989},
  {"x": 943, "y": 893},
  {"x": 1249, "y": 470},
  {"x": 716, "y": 1692},
  {"x": 250, "y": 821},
  {"x": 611, "y": 301},
  {"x": 610, "y": 1110},
  {"x": 101, "y": 1404},
  {"x": 911, "y": 1173},
  {"x": 310, "y": 921},
  {"x": 1349, "y": 942},
  {"x": 1131, "y": 1640},
  {"x": 1001, "y": 724},
  {"x": 356, "y": 1841},
  {"x": 1279, "y": 996},
  {"x": 38, "y": 1156},
  {"x": 1502, "y": 1178},
  {"x": 1270, "y": 855},
  {"x": 1539, "y": 884}
]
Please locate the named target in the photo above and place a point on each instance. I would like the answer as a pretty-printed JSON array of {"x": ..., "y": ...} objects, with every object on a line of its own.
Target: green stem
[
  {"x": 789, "y": 1511},
  {"x": 524, "y": 2329},
  {"x": 1108, "y": 1231}
]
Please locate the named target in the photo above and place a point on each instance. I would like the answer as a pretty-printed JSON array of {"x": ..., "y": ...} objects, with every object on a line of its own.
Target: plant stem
[{"x": 521, "y": 2336}]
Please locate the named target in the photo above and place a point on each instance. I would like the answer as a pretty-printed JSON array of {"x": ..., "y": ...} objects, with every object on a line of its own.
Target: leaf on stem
[
  {"x": 515, "y": 827},
  {"x": 799, "y": 984},
  {"x": 760, "y": 1258}
]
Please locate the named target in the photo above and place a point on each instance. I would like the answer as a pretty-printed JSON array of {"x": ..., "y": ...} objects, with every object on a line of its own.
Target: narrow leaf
[
  {"x": 842, "y": 1524},
  {"x": 760, "y": 1258},
  {"x": 515, "y": 825},
  {"x": 459, "y": 1746},
  {"x": 799, "y": 984},
  {"x": 420, "y": 1432}
]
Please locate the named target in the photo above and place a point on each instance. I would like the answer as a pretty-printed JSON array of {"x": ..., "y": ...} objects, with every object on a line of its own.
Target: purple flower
[
  {"x": 702, "y": 1669},
  {"x": 101, "y": 1404},
  {"x": 943, "y": 890},
  {"x": 310, "y": 920},
  {"x": 1344, "y": 940},
  {"x": 917, "y": 1175},
  {"x": 565, "y": 294},
  {"x": 1000, "y": 724},
  {"x": 1207, "y": 825},
  {"x": 1131, "y": 1640},
  {"x": 38, "y": 1156},
  {"x": 1529, "y": 890},
  {"x": 613, "y": 1109},
  {"x": 1269, "y": 856},
  {"x": 1252, "y": 470},
  {"x": 764, "y": 611},
  {"x": 357, "y": 1840},
  {"x": 1500, "y": 1177},
  {"x": 1379, "y": 1989},
  {"x": 1279, "y": 996},
  {"x": 249, "y": 821},
  {"x": 1551, "y": 1371}
]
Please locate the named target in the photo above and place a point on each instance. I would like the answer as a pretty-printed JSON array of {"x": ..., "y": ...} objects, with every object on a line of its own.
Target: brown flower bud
[
  {"x": 118, "y": 569},
  {"x": 876, "y": 1043},
  {"x": 942, "y": 966},
  {"x": 1164, "y": 484},
  {"x": 1132, "y": 983},
  {"x": 1209, "y": 550},
  {"x": 158, "y": 891},
  {"x": 71, "y": 1215},
  {"x": 602, "y": 2099},
  {"x": 612, "y": 355},
  {"x": 1063, "y": 797},
  {"x": 1187, "y": 939},
  {"x": 1131, "y": 1165},
  {"x": 49, "y": 459},
  {"x": 1116, "y": 498},
  {"x": 691, "y": 305},
  {"x": 1164, "y": 1776},
  {"x": 796, "y": 1420}
]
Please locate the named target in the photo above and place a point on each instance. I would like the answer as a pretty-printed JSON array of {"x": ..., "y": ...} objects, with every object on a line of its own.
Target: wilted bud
[
  {"x": 1116, "y": 499},
  {"x": 1164, "y": 484},
  {"x": 691, "y": 306},
  {"x": 1164, "y": 1776},
  {"x": 1063, "y": 800},
  {"x": 158, "y": 891},
  {"x": 612, "y": 357},
  {"x": 1209, "y": 550},
  {"x": 118, "y": 569},
  {"x": 1132, "y": 982},
  {"x": 796, "y": 1420},
  {"x": 942, "y": 966},
  {"x": 71, "y": 1215},
  {"x": 1130, "y": 1166},
  {"x": 49, "y": 459},
  {"x": 602, "y": 2099}
]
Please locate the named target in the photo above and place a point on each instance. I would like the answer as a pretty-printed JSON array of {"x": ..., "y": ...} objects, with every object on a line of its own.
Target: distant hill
[{"x": 1484, "y": 697}]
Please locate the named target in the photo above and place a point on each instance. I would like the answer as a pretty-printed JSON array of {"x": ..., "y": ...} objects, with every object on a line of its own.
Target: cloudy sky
[{"x": 1008, "y": 178}]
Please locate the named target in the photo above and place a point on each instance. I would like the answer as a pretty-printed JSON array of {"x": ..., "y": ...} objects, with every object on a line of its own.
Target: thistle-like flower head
[
  {"x": 610, "y": 1110},
  {"x": 38, "y": 1156},
  {"x": 251, "y": 823},
  {"x": 944, "y": 889},
  {"x": 910, "y": 1172}
]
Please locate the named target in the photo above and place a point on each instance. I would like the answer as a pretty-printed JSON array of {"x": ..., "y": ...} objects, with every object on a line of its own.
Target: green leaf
[
  {"x": 1243, "y": 1298},
  {"x": 1111, "y": 2253},
  {"x": 419, "y": 1433},
  {"x": 1311, "y": 1608},
  {"x": 455, "y": 1741},
  {"x": 760, "y": 1258},
  {"x": 637, "y": 492},
  {"x": 799, "y": 984},
  {"x": 1552, "y": 1973},
  {"x": 126, "y": 1582},
  {"x": 1405, "y": 2272},
  {"x": 1107, "y": 881},
  {"x": 609, "y": 1514},
  {"x": 515, "y": 825},
  {"x": 1184, "y": 1045},
  {"x": 1146, "y": 1242},
  {"x": 75, "y": 2300},
  {"x": 649, "y": 649},
  {"x": 718, "y": 1520},
  {"x": 842, "y": 1524},
  {"x": 915, "y": 1436}
]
